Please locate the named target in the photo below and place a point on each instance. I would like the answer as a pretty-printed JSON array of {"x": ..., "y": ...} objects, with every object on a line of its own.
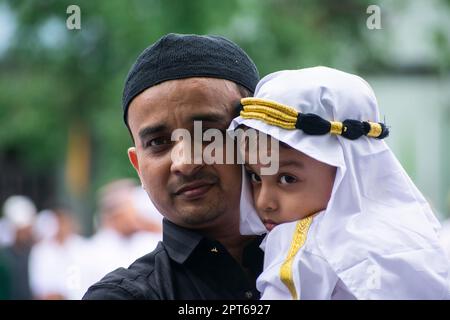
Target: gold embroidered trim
[
  {"x": 286, "y": 276},
  {"x": 270, "y": 111},
  {"x": 268, "y": 103},
  {"x": 375, "y": 130},
  {"x": 336, "y": 127},
  {"x": 277, "y": 114},
  {"x": 268, "y": 119}
]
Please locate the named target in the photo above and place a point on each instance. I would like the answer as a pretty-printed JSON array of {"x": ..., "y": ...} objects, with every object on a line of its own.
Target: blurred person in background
[
  {"x": 46, "y": 225},
  {"x": 150, "y": 223},
  {"x": 57, "y": 261},
  {"x": 19, "y": 214},
  {"x": 125, "y": 233}
]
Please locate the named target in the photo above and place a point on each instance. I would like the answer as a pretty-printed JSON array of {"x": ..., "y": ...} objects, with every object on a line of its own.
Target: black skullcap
[{"x": 178, "y": 56}]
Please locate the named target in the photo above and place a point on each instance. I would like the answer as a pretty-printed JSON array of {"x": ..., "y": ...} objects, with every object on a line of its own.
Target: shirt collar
[{"x": 179, "y": 242}]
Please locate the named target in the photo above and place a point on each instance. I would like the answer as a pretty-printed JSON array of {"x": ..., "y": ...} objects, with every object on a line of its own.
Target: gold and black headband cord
[{"x": 286, "y": 117}]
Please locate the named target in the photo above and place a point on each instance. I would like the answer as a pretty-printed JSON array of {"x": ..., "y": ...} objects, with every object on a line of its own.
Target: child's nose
[{"x": 266, "y": 201}]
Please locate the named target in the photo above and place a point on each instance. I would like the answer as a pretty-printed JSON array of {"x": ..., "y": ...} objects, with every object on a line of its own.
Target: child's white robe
[
  {"x": 407, "y": 275},
  {"x": 313, "y": 277}
]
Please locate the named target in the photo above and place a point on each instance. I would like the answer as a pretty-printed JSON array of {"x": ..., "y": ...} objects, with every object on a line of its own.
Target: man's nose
[
  {"x": 185, "y": 161},
  {"x": 266, "y": 200}
]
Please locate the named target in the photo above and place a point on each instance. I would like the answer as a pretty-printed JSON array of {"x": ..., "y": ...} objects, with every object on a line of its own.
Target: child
[{"x": 344, "y": 219}]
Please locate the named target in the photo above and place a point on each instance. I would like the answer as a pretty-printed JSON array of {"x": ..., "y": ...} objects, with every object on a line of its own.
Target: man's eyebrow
[
  {"x": 209, "y": 117},
  {"x": 151, "y": 130}
]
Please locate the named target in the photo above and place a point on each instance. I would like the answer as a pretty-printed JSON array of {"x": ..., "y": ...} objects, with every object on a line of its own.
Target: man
[
  {"x": 56, "y": 264},
  {"x": 20, "y": 213},
  {"x": 176, "y": 81}
]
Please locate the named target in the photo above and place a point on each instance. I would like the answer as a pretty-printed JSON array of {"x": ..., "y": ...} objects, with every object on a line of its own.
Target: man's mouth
[
  {"x": 269, "y": 224},
  {"x": 194, "y": 190}
]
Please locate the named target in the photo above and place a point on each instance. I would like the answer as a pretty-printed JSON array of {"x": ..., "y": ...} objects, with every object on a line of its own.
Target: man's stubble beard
[
  {"x": 197, "y": 213},
  {"x": 208, "y": 212}
]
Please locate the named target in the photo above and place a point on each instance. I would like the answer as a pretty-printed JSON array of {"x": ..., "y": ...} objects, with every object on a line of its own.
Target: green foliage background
[{"x": 76, "y": 76}]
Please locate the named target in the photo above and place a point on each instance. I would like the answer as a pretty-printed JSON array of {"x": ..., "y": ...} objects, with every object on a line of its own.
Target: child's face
[{"x": 301, "y": 187}]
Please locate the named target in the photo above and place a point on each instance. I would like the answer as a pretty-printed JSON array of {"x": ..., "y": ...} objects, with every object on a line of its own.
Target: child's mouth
[{"x": 269, "y": 224}]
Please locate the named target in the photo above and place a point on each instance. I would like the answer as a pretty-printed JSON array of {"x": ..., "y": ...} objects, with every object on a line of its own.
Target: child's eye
[
  {"x": 254, "y": 177},
  {"x": 287, "y": 179}
]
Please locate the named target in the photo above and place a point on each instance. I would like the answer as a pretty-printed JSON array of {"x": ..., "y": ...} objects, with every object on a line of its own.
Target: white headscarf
[{"x": 376, "y": 215}]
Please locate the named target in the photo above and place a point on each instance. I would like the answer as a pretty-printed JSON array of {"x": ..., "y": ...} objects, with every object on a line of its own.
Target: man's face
[{"x": 188, "y": 194}]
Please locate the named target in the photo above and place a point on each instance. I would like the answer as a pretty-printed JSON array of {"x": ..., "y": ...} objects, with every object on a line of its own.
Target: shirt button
[
  {"x": 248, "y": 294},
  {"x": 214, "y": 250}
]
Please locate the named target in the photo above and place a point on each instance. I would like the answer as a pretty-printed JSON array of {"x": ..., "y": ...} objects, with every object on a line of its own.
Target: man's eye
[
  {"x": 157, "y": 142},
  {"x": 255, "y": 178},
  {"x": 287, "y": 179}
]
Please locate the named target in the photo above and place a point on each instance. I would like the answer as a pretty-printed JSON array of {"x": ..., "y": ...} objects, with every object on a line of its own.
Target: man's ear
[{"x": 133, "y": 158}]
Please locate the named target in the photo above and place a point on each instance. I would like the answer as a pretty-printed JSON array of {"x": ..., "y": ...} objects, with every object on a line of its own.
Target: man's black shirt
[{"x": 185, "y": 265}]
